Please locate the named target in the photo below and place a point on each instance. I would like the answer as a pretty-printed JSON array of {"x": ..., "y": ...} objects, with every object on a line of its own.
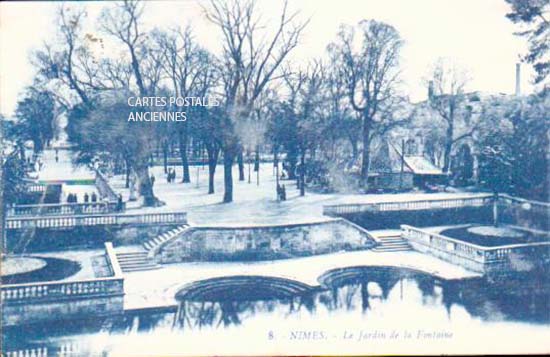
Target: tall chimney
[
  {"x": 430, "y": 89},
  {"x": 518, "y": 79}
]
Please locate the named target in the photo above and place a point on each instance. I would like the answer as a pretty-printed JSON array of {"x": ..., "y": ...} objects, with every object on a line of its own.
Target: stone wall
[
  {"x": 44, "y": 239},
  {"x": 264, "y": 242},
  {"x": 74, "y": 309},
  {"x": 422, "y": 217},
  {"x": 524, "y": 213}
]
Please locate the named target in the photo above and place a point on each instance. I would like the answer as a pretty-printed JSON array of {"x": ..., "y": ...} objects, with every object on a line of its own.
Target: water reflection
[{"x": 373, "y": 295}]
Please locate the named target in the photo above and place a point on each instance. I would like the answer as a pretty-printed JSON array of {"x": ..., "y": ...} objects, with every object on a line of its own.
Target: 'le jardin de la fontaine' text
[{"x": 143, "y": 105}]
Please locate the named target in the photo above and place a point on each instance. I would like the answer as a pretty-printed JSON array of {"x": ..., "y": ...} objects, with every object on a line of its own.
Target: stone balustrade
[
  {"x": 58, "y": 291},
  {"x": 525, "y": 213},
  {"x": 62, "y": 209},
  {"x": 35, "y": 188},
  {"x": 471, "y": 256},
  {"x": 112, "y": 259},
  {"x": 104, "y": 188},
  {"x": 34, "y": 302},
  {"x": 435, "y": 203},
  {"x": 64, "y": 221}
]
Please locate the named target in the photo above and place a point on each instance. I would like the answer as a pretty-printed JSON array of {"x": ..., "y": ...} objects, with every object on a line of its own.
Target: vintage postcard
[{"x": 274, "y": 177}]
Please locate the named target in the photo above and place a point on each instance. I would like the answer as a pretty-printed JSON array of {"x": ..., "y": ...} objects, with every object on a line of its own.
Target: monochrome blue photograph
[{"x": 274, "y": 177}]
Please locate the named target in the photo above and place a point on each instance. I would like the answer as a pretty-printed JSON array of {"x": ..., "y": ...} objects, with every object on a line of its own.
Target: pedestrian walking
[
  {"x": 119, "y": 202},
  {"x": 94, "y": 197},
  {"x": 86, "y": 197}
]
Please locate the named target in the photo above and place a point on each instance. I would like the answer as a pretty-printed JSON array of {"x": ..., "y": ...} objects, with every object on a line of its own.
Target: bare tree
[
  {"x": 306, "y": 88},
  {"x": 69, "y": 62},
  {"x": 191, "y": 71},
  {"x": 249, "y": 61},
  {"x": 447, "y": 97},
  {"x": 123, "y": 23},
  {"x": 372, "y": 75}
]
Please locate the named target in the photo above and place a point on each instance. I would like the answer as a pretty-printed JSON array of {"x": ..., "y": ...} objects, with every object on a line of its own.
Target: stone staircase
[
  {"x": 139, "y": 260},
  {"x": 391, "y": 243},
  {"x": 135, "y": 261},
  {"x": 155, "y": 242}
]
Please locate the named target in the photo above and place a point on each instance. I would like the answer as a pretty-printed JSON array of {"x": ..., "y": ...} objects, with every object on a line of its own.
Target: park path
[
  {"x": 253, "y": 204},
  {"x": 63, "y": 169}
]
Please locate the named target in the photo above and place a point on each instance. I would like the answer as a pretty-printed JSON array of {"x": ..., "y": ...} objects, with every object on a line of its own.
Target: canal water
[{"x": 358, "y": 310}]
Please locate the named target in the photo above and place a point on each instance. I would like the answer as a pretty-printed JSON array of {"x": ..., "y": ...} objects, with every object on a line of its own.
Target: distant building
[{"x": 391, "y": 169}]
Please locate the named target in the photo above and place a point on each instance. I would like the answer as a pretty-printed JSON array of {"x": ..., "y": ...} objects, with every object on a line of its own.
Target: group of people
[
  {"x": 171, "y": 175},
  {"x": 281, "y": 192},
  {"x": 73, "y": 197}
]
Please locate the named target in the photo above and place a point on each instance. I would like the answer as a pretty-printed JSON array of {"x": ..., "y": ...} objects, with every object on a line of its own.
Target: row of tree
[{"x": 333, "y": 108}]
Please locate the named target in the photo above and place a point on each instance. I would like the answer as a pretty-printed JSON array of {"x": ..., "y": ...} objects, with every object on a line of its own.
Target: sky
[{"x": 472, "y": 33}]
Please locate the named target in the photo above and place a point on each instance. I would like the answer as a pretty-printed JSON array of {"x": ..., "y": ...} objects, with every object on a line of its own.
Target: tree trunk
[
  {"x": 213, "y": 153},
  {"x": 257, "y": 159},
  {"x": 145, "y": 187},
  {"x": 165, "y": 155},
  {"x": 22, "y": 152},
  {"x": 128, "y": 171},
  {"x": 183, "y": 143},
  {"x": 228, "y": 157},
  {"x": 240, "y": 161},
  {"x": 292, "y": 160},
  {"x": 303, "y": 174},
  {"x": 366, "y": 152},
  {"x": 354, "y": 149},
  {"x": 448, "y": 148}
]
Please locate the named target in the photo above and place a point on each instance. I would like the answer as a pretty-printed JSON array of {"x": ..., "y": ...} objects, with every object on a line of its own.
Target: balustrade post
[{"x": 495, "y": 209}]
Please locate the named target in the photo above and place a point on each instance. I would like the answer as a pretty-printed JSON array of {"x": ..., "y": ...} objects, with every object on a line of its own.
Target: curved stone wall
[{"x": 264, "y": 242}]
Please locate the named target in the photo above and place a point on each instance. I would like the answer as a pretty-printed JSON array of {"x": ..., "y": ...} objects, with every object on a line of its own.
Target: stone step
[
  {"x": 154, "y": 242},
  {"x": 392, "y": 244},
  {"x": 383, "y": 241},
  {"x": 391, "y": 249},
  {"x": 137, "y": 264},
  {"x": 131, "y": 254},
  {"x": 131, "y": 259},
  {"x": 141, "y": 268},
  {"x": 157, "y": 240}
]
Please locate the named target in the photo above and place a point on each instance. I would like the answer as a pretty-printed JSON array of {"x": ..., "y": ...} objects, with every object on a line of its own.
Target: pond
[
  {"x": 490, "y": 236},
  {"x": 357, "y": 310}
]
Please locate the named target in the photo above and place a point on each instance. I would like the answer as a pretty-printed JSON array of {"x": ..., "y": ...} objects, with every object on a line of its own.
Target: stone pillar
[
  {"x": 495, "y": 209},
  {"x": 518, "y": 79},
  {"x": 475, "y": 171}
]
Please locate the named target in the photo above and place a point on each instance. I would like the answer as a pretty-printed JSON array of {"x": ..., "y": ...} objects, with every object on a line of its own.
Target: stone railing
[
  {"x": 95, "y": 219},
  {"x": 57, "y": 291},
  {"x": 435, "y": 203},
  {"x": 105, "y": 190},
  {"x": 62, "y": 209},
  {"x": 521, "y": 212},
  {"x": 32, "y": 302},
  {"x": 35, "y": 188},
  {"x": 112, "y": 259},
  {"x": 471, "y": 256}
]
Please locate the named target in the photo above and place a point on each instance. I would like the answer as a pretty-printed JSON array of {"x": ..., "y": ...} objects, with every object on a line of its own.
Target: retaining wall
[{"x": 263, "y": 242}]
